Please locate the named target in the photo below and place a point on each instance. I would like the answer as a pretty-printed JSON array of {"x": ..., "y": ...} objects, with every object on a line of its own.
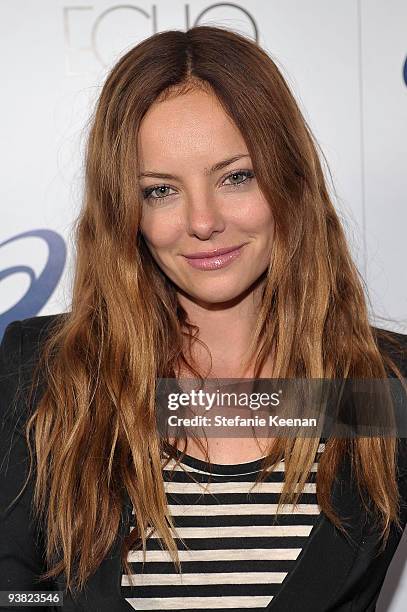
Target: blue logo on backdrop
[
  {"x": 405, "y": 71},
  {"x": 41, "y": 287}
]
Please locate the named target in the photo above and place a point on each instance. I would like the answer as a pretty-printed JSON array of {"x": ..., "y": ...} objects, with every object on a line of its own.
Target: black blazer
[{"x": 333, "y": 572}]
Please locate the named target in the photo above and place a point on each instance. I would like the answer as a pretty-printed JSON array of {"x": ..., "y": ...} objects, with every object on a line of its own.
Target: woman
[{"x": 197, "y": 146}]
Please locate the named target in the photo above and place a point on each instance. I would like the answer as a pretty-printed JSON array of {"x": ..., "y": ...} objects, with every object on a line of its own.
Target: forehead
[{"x": 191, "y": 126}]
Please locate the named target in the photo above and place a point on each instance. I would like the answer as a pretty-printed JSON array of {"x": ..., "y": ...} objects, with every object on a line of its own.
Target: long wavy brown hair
[{"x": 95, "y": 429}]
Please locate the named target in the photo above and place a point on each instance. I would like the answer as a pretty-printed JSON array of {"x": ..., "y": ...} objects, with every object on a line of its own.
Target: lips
[
  {"x": 217, "y": 259},
  {"x": 213, "y": 253}
]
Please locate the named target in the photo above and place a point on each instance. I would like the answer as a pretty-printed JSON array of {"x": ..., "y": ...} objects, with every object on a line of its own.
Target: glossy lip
[
  {"x": 217, "y": 261},
  {"x": 214, "y": 253}
]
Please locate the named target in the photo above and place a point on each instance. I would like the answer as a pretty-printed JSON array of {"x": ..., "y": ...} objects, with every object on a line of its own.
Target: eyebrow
[{"x": 218, "y": 166}]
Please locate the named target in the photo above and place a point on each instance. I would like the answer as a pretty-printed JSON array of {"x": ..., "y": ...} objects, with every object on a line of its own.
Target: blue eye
[
  {"x": 248, "y": 174},
  {"x": 147, "y": 193}
]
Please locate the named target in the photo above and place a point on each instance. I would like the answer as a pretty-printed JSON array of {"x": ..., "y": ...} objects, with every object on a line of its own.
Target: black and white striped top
[{"x": 237, "y": 551}]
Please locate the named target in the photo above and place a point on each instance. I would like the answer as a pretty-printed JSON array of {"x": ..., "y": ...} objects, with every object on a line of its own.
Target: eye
[
  {"x": 147, "y": 193},
  {"x": 247, "y": 174}
]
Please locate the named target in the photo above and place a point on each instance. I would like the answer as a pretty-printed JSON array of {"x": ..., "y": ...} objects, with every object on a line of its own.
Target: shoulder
[
  {"x": 22, "y": 339},
  {"x": 394, "y": 345},
  {"x": 20, "y": 348}
]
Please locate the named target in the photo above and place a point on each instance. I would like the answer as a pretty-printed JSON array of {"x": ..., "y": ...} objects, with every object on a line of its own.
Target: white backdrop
[{"x": 345, "y": 62}]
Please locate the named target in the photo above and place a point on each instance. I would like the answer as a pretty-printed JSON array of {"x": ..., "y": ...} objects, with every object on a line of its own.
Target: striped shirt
[{"x": 236, "y": 551}]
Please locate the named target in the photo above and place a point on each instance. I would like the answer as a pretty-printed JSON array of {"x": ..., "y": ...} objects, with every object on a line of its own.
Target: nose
[{"x": 203, "y": 216}]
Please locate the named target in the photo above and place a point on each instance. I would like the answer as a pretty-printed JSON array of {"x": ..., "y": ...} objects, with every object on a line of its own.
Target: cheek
[
  {"x": 255, "y": 216},
  {"x": 264, "y": 214},
  {"x": 159, "y": 233}
]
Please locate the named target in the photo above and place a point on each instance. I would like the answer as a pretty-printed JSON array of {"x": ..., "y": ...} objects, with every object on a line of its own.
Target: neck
[{"x": 226, "y": 329}]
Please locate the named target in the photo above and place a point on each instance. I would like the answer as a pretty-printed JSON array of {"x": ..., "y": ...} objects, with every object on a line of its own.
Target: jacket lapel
[
  {"x": 325, "y": 562},
  {"x": 317, "y": 578},
  {"x": 102, "y": 591}
]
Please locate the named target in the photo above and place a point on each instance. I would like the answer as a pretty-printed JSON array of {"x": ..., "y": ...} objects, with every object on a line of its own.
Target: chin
[{"x": 216, "y": 297}]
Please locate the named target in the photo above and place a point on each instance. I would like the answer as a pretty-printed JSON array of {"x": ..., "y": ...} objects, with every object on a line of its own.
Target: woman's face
[{"x": 196, "y": 208}]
